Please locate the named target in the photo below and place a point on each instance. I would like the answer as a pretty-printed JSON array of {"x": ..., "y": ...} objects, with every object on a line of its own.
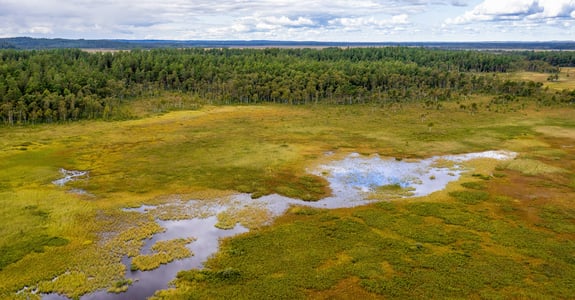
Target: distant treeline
[
  {"x": 27, "y": 43},
  {"x": 67, "y": 84}
]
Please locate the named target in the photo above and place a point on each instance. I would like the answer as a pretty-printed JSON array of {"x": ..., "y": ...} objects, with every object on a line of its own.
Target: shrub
[{"x": 470, "y": 197}]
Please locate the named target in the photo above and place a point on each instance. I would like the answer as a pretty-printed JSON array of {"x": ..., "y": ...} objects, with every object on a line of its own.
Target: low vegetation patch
[
  {"x": 163, "y": 253},
  {"x": 470, "y": 197},
  {"x": 249, "y": 216},
  {"x": 531, "y": 167},
  {"x": 120, "y": 286},
  {"x": 558, "y": 219},
  {"x": 392, "y": 191},
  {"x": 474, "y": 185}
]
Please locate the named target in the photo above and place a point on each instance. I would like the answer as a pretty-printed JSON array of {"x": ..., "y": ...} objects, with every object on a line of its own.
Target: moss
[
  {"x": 16, "y": 251},
  {"x": 163, "y": 253},
  {"x": 391, "y": 191},
  {"x": 531, "y": 167},
  {"x": 558, "y": 219},
  {"x": 473, "y": 185},
  {"x": 120, "y": 286},
  {"x": 470, "y": 197}
]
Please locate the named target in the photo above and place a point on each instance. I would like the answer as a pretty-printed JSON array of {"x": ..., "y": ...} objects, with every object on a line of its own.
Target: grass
[
  {"x": 163, "y": 253},
  {"x": 392, "y": 253},
  {"x": 120, "y": 286},
  {"x": 558, "y": 219},
  {"x": 470, "y": 197},
  {"x": 391, "y": 191},
  {"x": 474, "y": 185},
  {"x": 531, "y": 167},
  {"x": 566, "y": 78},
  {"x": 249, "y": 216},
  {"x": 447, "y": 245}
]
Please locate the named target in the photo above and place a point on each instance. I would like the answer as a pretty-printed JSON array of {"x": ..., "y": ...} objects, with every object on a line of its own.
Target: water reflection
[
  {"x": 352, "y": 180},
  {"x": 69, "y": 175},
  {"x": 146, "y": 283}
]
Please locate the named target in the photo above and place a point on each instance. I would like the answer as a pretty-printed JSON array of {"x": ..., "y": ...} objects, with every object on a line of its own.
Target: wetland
[
  {"x": 437, "y": 208},
  {"x": 353, "y": 181}
]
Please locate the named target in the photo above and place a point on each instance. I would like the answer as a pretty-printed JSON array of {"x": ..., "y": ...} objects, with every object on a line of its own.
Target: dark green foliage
[
  {"x": 305, "y": 211},
  {"x": 481, "y": 176},
  {"x": 452, "y": 214},
  {"x": 560, "y": 220},
  {"x": 388, "y": 206},
  {"x": 473, "y": 185},
  {"x": 66, "y": 84},
  {"x": 415, "y": 228},
  {"x": 122, "y": 283},
  {"x": 470, "y": 197},
  {"x": 221, "y": 276},
  {"x": 29, "y": 239},
  {"x": 13, "y": 252}
]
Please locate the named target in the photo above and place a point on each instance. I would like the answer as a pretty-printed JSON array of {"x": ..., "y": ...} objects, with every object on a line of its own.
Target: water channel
[{"x": 352, "y": 180}]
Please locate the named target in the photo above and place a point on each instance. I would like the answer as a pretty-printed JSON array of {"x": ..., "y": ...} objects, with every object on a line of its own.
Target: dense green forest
[{"x": 69, "y": 84}]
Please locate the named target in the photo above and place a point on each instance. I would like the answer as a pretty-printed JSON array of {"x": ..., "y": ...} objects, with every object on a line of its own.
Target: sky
[{"x": 319, "y": 20}]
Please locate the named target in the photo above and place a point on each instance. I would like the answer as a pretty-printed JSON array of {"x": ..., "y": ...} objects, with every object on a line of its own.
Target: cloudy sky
[{"x": 319, "y": 20}]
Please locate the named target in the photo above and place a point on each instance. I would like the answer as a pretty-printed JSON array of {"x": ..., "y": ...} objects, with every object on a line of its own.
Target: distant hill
[{"x": 42, "y": 43}]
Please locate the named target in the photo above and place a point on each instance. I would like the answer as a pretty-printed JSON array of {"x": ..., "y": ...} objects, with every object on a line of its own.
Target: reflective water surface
[{"x": 351, "y": 180}]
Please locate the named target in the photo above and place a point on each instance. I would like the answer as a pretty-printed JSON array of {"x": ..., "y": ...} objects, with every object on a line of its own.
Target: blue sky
[{"x": 320, "y": 20}]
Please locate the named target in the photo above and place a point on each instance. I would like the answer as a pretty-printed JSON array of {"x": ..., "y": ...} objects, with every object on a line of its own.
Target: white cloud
[
  {"x": 41, "y": 29},
  {"x": 529, "y": 10},
  {"x": 336, "y": 20},
  {"x": 285, "y": 21},
  {"x": 355, "y": 23}
]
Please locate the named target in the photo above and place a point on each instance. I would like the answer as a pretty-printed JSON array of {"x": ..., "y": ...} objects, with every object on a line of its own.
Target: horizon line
[{"x": 284, "y": 41}]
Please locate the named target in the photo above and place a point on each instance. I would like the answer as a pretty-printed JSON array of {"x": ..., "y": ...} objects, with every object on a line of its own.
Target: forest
[{"x": 62, "y": 85}]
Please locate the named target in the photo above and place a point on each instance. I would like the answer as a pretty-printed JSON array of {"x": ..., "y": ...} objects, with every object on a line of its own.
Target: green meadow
[{"x": 504, "y": 230}]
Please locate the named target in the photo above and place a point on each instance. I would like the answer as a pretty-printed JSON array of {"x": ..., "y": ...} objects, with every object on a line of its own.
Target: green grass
[
  {"x": 405, "y": 260},
  {"x": 470, "y": 197},
  {"x": 566, "y": 78},
  {"x": 474, "y": 185},
  {"x": 25, "y": 245},
  {"x": 163, "y": 253},
  {"x": 558, "y": 219}
]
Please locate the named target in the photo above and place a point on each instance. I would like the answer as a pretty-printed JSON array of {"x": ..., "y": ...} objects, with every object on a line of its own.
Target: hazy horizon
[{"x": 296, "y": 41}]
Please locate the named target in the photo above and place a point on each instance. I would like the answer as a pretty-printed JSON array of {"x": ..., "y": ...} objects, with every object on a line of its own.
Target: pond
[{"x": 353, "y": 181}]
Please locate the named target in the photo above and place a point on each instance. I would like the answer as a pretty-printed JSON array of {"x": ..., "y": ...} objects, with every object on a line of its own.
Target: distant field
[
  {"x": 566, "y": 78},
  {"x": 32, "y": 43},
  {"x": 102, "y": 50},
  {"x": 503, "y": 230}
]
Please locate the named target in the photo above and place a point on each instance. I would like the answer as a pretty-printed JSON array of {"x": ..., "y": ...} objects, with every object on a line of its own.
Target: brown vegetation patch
[
  {"x": 348, "y": 288},
  {"x": 530, "y": 193},
  {"x": 558, "y": 132}
]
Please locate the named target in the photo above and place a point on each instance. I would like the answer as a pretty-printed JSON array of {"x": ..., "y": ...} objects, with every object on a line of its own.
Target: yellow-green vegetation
[
  {"x": 452, "y": 244},
  {"x": 391, "y": 191},
  {"x": 250, "y": 216},
  {"x": 476, "y": 241},
  {"x": 531, "y": 167},
  {"x": 564, "y": 80},
  {"x": 120, "y": 286},
  {"x": 163, "y": 253}
]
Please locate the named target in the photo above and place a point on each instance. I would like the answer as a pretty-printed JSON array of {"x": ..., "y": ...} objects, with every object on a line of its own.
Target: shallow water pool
[{"x": 352, "y": 181}]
